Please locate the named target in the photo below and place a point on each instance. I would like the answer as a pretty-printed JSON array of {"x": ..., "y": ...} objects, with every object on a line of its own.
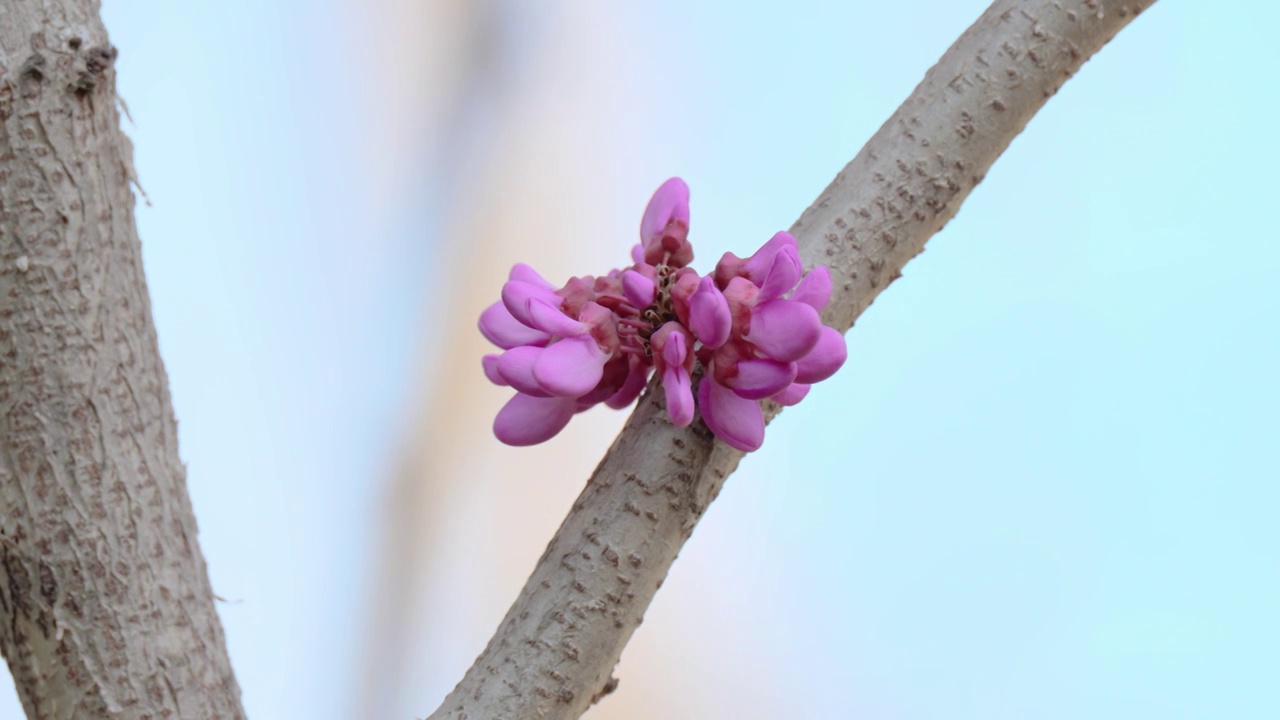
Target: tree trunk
[
  {"x": 553, "y": 653},
  {"x": 105, "y": 605}
]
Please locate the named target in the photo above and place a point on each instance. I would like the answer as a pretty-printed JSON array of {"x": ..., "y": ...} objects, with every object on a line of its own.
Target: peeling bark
[
  {"x": 553, "y": 653},
  {"x": 105, "y": 605}
]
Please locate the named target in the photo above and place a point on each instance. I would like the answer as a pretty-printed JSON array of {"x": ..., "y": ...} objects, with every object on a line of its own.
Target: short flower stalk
[{"x": 751, "y": 330}]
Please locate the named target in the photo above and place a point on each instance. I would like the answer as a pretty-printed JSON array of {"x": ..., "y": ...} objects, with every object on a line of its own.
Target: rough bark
[
  {"x": 553, "y": 653},
  {"x": 105, "y": 605}
]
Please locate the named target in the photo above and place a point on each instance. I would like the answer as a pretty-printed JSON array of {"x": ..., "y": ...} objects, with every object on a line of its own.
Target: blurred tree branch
[
  {"x": 105, "y": 605},
  {"x": 553, "y": 654}
]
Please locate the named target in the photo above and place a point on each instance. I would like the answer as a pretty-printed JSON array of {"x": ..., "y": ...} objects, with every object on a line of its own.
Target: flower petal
[
  {"x": 670, "y": 202},
  {"x": 525, "y": 273},
  {"x": 676, "y": 349},
  {"x": 526, "y": 420},
  {"x": 794, "y": 393},
  {"x": 515, "y": 366},
  {"x": 814, "y": 289},
  {"x": 756, "y": 268},
  {"x": 676, "y": 384},
  {"x": 733, "y": 419},
  {"x": 548, "y": 318},
  {"x": 824, "y": 359},
  {"x": 501, "y": 328},
  {"x": 490, "y": 365},
  {"x": 516, "y": 295},
  {"x": 570, "y": 367},
  {"x": 709, "y": 317},
  {"x": 672, "y": 344},
  {"x": 760, "y": 378},
  {"x": 664, "y": 229},
  {"x": 783, "y": 274},
  {"x": 784, "y": 330},
  {"x": 639, "y": 289}
]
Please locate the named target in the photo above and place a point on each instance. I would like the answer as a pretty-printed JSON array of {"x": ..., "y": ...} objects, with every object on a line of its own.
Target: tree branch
[
  {"x": 105, "y": 605},
  {"x": 554, "y": 651}
]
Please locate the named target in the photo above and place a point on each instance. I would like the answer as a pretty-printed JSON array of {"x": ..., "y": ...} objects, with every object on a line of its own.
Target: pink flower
[
  {"x": 673, "y": 356},
  {"x": 664, "y": 229},
  {"x": 733, "y": 418},
  {"x": 528, "y": 420},
  {"x": 751, "y": 330},
  {"x": 709, "y": 316},
  {"x": 779, "y": 346},
  {"x": 640, "y": 290},
  {"x": 501, "y": 328}
]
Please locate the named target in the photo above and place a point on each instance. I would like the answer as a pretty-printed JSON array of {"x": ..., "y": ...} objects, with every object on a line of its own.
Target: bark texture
[
  {"x": 553, "y": 654},
  {"x": 105, "y": 605}
]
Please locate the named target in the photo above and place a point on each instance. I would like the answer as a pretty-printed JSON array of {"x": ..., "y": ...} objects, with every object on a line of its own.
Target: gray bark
[
  {"x": 105, "y": 605},
  {"x": 553, "y": 653}
]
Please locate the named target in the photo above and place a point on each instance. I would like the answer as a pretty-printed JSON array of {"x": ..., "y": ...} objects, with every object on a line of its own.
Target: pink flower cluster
[{"x": 752, "y": 326}]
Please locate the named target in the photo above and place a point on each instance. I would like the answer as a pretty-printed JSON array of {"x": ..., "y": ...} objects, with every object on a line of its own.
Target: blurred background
[{"x": 1044, "y": 485}]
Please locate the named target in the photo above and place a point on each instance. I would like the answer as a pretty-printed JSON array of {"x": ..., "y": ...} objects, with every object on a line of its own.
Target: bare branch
[
  {"x": 554, "y": 651},
  {"x": 105, "y": 605}
]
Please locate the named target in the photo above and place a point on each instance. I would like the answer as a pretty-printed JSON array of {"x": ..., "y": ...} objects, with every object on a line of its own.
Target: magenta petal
[
  {"x": 548, "y": 318},
  {"x": 640, "y": 290},
  {"x": 783, "y": 274},
  {"x": 526, "y": 420},
  {"x": 570, "y": 367},
  {"x": 676, "y": 385},
  {"x": 815, "y": 289},
  {"x": 527, "y": 274},
  {"x": 490, "y": 364},
  {"x": 759, "y": 378},
  {"x": 784, "y": 330},
  {"x": 501, "y": 328},
  {"x": 516, "y": 295},
  {"x": 756, "y": 268},
  {"x": 631, "y": 387},
  {"x": 733, "y": 419},
  {"x": 675, "y": 349},
  {"x": 709, "y": 317},
  {"x": 637, "y": 253},
  {"x": 669, "y": 202},
  {"x": 824, "y": 359},
  {"x": 516, "y": 367},
  {"x": 672, "y": 345},
  {"x": 794, "y": 393}
]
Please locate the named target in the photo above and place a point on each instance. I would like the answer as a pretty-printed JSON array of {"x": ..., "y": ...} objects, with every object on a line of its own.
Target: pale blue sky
[{"x": 1043, "y": 486}]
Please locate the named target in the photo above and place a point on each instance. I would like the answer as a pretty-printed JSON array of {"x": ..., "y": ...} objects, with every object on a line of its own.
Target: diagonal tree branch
[
  {"x": 105, "y": 605},
  {"x": 553, "y": 654}
]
